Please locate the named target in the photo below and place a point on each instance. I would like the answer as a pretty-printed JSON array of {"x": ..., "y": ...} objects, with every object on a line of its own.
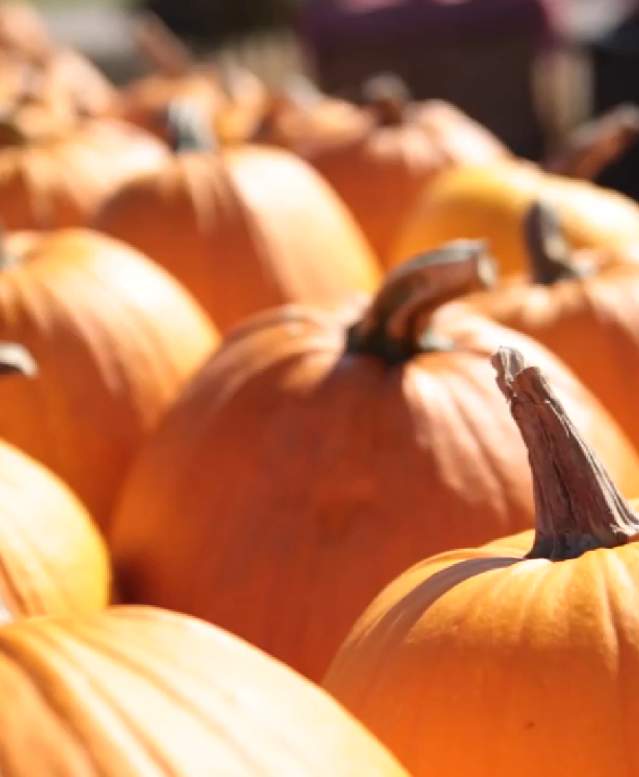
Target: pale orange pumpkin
[
  {"x": 52, "y": 558},
  {"x": 55, "y": 176},
  {"x": 232, "y": 98},
  {"x": 492, "y": 661},
  {"x": 313, "y": 457},
  {"x": 382, "y": 167},
  {"x": 141, "y": 692},
  {"x": 23, "y": 31},
  {"x": 115, "y": 338},
  {"x": 243, "y": 229}
]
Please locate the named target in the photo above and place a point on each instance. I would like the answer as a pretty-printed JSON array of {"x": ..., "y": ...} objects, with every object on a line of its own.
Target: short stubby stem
[{"x": 548, "y": 249}]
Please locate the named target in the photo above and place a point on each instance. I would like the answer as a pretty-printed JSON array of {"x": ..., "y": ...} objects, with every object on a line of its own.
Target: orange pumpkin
[
  {"x": 243, "y": 229},
  {"x": 69, "y": 76},
  {"x": 59, "y": 178},
  {"x": 486, "y": 661},
  {"x": 140, "y": 692},
  {"x": 311, "y": 461},
  {"x": 114, "y": 337},
  {"x": 491, "y": 202},
  {"x": 381, "y": 167},
  {"x": 583, "y": 307},
  {"x": 232, "y": 98},
  {"x": 52, "y": 558}
]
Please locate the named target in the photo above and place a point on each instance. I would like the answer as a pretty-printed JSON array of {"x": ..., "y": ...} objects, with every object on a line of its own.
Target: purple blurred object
[{"x": 478, "y": 54}]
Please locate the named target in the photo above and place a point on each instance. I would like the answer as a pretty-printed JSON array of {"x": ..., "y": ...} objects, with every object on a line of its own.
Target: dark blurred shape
[
  {"x": 615, "y": 58},
  {"x": 478, "y": 54},
  {"x": 211, "y": 22}
]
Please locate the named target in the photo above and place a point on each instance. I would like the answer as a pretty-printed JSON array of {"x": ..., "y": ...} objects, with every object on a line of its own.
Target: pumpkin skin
[
  {"x": 400, "y": 157},
  {"x": 67, "y": 75},
  {"x": 114, "y": 338},
  {"x": 342, "y": 463},
  {"x": 490, "y": 203},
  {"x": 23, "y": 32},
  {"x": 60, "y": 180},
  {"x": 598, "y": 305},
  {"x": 301, "y": 118},
  {"x": 52, "y": 558},
  {"x": 244, "y": 229},
  {"x": 476, "y": 661},
  {"x": 142, "y": 692}
]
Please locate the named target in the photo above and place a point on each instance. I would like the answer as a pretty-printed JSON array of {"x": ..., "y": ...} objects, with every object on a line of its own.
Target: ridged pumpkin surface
[
  {"x": 61, "y": 181},
  {"x": 490, "y": 203},
  {"x": 52, "y": 558},
  {"x": 114, "y": 338},
  {"x": 515, "y": 657},
  {"x": 243, "y": 230},
  {"x": 149, "y": 693},
  {"x": 293, "y": 479},
  {"x": 381, "y": 171}
]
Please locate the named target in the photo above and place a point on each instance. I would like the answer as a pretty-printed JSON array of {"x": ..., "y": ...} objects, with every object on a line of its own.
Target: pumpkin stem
[
  {"x": 548, "y": 249},
  {"x": 387, "y": 96},
  {"x": 187, "y": 128},
  {"x": 389, "y": 328},
  {"x": 10, "y": 133},
  {"x": 595, "y": 145},
  {"x": 161, "y": 47},
  {"x": 578, "y": 507},
  {"x": 16, "y": 359}
]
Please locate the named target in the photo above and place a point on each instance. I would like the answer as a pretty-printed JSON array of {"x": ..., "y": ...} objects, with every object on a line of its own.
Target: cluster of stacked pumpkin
[{"x": 214, "y": 404}]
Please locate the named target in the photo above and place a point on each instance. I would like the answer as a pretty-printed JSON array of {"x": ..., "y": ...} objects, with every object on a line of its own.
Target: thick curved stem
[
  {"x": 389, "y": 328},
  {"x": 14, "y": 359},
  {"x": 595, "y": 145},
  {"x": 548, "y": 251},
  {"x": 578, "y": 507}
]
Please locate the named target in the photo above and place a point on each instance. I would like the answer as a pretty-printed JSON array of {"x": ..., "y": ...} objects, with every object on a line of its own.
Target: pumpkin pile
[{"x": 318, "y": 430}]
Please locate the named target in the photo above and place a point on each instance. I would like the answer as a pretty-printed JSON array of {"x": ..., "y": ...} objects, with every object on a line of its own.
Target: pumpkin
[
  {"x": 23, "y": 32},
  {"x": 489, "y": 661},
  {"x": 58, "y": 176},
  {"x": 381, "y": 168},
  {"x": 243, "y": 229},
  {"x": 490, "y": 202},
  {"x": 300, "y": 117},
  {"x": 69, "y": 76},
  {"x": 584, "y": 307},
  {"x": 140, "y": 692},
  {"x": 232, "y": 98},
  {"x": 52, "y": 558},
  {"x": 115, "y": 339},
  {"x": 311, "y": 461}
]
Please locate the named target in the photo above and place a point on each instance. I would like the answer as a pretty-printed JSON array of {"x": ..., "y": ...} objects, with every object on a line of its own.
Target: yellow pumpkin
[{"x": 491, "y": 202}]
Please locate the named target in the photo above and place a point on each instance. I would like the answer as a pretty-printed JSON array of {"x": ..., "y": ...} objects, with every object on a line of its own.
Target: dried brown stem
[
  {"x": 548, "y": 250},
  {"x": 389, "y": 328},
  {"x": 578, "y": 507}
]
